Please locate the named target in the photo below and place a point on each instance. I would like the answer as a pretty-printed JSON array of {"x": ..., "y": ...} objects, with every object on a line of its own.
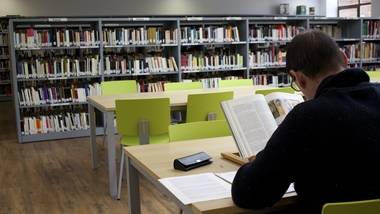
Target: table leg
[
  {"x": 94, "y": 154},
  {"x": 111, "y": 154},
  {"x": 133, "y": 187}
]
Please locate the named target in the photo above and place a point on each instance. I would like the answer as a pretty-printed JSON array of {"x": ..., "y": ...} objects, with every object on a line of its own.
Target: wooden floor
[{"x": 56, "y": 177}]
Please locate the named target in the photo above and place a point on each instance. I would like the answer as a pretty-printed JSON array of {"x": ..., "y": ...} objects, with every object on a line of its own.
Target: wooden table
[
  {"x": 106, "y": 105},
  {"x": 156, "y": 161}
]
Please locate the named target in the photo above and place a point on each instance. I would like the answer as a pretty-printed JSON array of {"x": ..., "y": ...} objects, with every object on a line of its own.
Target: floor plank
[{"x": 56, "y": 177}]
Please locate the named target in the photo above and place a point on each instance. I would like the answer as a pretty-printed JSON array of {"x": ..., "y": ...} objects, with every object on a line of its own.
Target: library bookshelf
[{"x": 57, "y": 62}]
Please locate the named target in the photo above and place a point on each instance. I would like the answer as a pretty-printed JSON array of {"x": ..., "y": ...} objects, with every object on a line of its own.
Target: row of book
[
  {"x": 5, "y": 76},
  {"x": 6, "y": 90},
  {"x": 274, "y": 56},
  {"x": 352, "y": 52},
  {"x": 371, "y": 51},
  {"x": 151, "y": 87},
  {"x": 277, "y": 80},
  {"x": 139, "y": 36},
  {"x": 117, "y": 64},
  {"x": 58, "y": 67},
  {"x": 211, "y": 82},
  {"x": 210, "y": 34},
  {"x": 3, "y": 39},
  {"x": 4, "y": 64},
  {"x": 52, "y": 95},
  {"x": 50, "y": 123},
  {"x": 280, "y": 32},
  {"x": 335, "y": 31},
  {"x": 32, "y": 38},
  {"x": 371, "y": 29},
  {"x": 194, "y": 62},
  {"x": 3, "y": 51}
]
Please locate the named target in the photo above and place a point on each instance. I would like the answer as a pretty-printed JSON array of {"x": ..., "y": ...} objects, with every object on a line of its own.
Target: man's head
[{"x": 311, "y": 57}]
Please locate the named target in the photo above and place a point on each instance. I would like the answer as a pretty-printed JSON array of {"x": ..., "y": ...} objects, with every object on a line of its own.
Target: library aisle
[{"x": 48, "y": 177}]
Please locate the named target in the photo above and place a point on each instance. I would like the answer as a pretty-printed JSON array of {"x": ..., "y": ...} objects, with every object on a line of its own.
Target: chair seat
[{"x": 133, "y": 141}]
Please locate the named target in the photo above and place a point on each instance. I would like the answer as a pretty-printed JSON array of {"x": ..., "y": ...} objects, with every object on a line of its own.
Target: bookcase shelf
[
  {"x": 5, "y": 73},
  {"x": 213, "y": 70},
  {"x": 52, "y": 105},
  {"x": 55, "y": 48},
  {"x": 126, "y": 44},
  {"x": 58, "y": 78}
]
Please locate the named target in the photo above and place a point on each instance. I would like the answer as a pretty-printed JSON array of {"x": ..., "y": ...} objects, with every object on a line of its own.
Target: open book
[{"x": 253, "y": 119}]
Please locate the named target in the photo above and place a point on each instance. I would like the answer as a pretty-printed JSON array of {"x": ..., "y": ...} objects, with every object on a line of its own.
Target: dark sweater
[{"x": 329, "y": 146}]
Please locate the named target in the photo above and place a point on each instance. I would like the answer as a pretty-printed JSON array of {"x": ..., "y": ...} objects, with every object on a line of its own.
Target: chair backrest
[
  {"x": 198, "y": 130},
  {"x": 268, "y": 91},
  {"x": 374, "y": 76},
  {"x": 177, "y": 86},
  {"x": 130, "y": 112},
  {"x": 354, "y": 207},
  {"x": 235, "y": 83},
  {"x": 118, "y": 87},
  {"x": 200, "y": 105}
]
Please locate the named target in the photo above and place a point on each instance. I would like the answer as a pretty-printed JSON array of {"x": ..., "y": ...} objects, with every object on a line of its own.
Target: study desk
[
  {"x": 155, "y": 161},
  {"x": 106, "y": 105}
]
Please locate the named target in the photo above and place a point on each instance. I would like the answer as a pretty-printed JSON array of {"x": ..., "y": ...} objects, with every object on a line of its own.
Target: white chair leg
[{"x": 120, "y": 174}]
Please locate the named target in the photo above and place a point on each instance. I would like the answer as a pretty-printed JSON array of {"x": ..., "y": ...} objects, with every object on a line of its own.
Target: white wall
[
  {"x": 147, "y": 7},
  {"x": 375, "y": 8},
  {"x": 329, "y": 8}
]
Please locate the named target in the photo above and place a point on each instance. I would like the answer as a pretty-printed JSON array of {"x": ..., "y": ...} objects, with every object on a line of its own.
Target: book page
[
  {"x": 195, "y": 188},
  {"x": 251, "y": 123},
  {"x": 281, "y": 104}
]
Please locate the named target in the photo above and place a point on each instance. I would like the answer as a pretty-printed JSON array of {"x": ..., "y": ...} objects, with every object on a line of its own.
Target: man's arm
[{"x": 264, "y": 181}]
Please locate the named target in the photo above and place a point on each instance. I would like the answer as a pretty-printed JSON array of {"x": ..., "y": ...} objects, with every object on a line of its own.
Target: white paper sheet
[
  {"x": 229, "y": 177},
  {"x": 195, "y": 188}
]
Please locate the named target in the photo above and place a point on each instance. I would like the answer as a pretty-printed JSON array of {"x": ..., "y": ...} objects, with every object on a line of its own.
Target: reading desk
[
  {"x": 155, "y": 161},
  {"x": 106, "y": 105}
]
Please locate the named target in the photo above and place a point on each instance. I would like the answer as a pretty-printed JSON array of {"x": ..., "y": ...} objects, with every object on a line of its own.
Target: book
[
  {"x": 371, "y": 29},
  {"x": 334, "y": 31},
  {"x": 138, "y": 64},
  {"x": 352, "y": 52},
  {"x": 57, "y": 67},
  {"x": 253, "y": 119},
  {"x": 272, "y": 56},
  {"x": 277, "y": 32},
  {"x": 209, "y": 34},
  {"x": 42, "y": 122},
  {"x": 197, "y": 61},
  {"x": 54, "y": 37},
  {"x": 43, "y": 95},
  {"x": 371, "y": 51},
  {"x": 277, "y": 79},
  {"x": 139, "y": 36}
]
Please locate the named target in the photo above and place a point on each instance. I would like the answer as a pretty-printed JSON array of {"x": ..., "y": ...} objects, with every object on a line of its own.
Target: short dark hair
[{"x": 313, "y": 53}]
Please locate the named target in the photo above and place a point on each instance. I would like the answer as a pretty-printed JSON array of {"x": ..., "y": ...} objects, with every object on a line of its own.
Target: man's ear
[{"x": 300, "y": 78}]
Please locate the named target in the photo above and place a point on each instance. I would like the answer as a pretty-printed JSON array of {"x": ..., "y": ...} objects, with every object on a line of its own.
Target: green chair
[
  {"x": 235, "y": 83},
  {"x": 177, "y": 86},
  {"x": 268, "y": 91},
  {"x": 198, "y": 130},
  {"x": 132, "y": 113},
  {"x": 354, "y": 207},
  {"x": 199, "y": 106},
  {"x": 118, "y": 87},
  {"x": 374, "y": 76}
]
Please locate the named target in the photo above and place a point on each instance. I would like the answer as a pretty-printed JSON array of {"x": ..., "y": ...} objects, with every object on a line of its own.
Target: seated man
[{"x": 329, "y": 146}]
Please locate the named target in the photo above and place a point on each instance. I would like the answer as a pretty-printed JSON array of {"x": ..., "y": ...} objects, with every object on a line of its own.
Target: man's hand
[{"x": 252, "y": 158}]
